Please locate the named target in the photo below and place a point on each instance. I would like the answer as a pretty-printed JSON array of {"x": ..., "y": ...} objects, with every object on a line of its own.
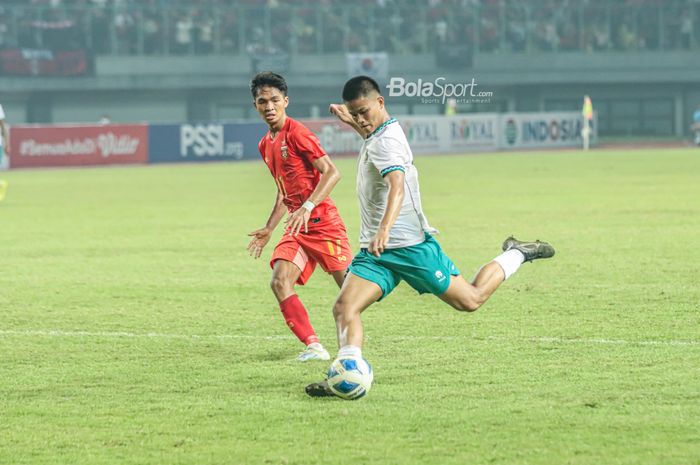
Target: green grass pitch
[{"x": 135, "y": 329}]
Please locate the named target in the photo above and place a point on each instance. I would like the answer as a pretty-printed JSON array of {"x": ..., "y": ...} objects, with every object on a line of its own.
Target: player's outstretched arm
[
  {"x": 342, "y": 113},
  {"x": 329, "y": 178},
  {"x": 262, "y": 236},
  {"x": 394, "y": 200}
]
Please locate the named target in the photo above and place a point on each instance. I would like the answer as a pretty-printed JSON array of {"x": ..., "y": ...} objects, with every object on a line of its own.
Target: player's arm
[
  {"x": 262, "y": 236},
  {"x": 394, "y": 200},
  {"x": 329, "y": 178},
  {"x": 5, "y": 136},
  {"x": 341, "y": 111}
]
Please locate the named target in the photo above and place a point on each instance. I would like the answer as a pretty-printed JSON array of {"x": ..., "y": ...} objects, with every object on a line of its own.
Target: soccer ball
[{"x": 350, "y": 377}]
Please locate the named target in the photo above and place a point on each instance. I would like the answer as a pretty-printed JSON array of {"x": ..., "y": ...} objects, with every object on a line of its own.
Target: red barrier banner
[
  {"x": 33, "y": 62},
  {"x": 41, "y": 146},
  {"x": 336, "y": 138}
]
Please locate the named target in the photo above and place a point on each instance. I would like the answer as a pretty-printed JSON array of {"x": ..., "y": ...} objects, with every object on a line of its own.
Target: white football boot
[{"x": 314, "y": 351}]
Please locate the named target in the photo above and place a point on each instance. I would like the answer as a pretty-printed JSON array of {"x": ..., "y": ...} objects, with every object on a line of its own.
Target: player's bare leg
[
  {"x": 466, "y": 296},
  {"x": 339, "y": 276},
  {"x": 284, "y": 276},
  {"x": 355, "y": 296}
]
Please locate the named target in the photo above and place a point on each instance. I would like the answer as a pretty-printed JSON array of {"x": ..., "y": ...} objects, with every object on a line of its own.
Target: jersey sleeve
[
  {"x": 306, "y": 144},
  {"x": 389, "y": 154}
]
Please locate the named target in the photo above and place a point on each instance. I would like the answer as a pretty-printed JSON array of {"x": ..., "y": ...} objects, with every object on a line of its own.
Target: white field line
[{"x": 213, "y": 337}]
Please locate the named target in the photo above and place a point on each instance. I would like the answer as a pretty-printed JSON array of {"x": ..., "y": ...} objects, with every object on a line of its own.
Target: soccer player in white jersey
[
  {"x": 395, "y": 237},
  {"x": 4, "y": 152}
]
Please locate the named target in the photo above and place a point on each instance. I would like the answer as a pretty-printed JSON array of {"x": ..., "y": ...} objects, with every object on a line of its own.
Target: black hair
[
  {"x": 268, "y": 79},
  {"x": 359, "y": 86}
]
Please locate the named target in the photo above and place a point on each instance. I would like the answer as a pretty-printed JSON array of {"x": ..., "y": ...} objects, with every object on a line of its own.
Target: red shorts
[{"x": 327, "y": 246}]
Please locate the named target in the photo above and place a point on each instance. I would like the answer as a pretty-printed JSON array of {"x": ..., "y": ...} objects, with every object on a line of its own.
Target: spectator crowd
[{"x": 156, "y": 27}]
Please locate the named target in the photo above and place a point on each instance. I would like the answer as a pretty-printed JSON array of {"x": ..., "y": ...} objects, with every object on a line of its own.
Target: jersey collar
[
  {"x": 382, "y": 126},
  {"x": 285, "y": 126}
]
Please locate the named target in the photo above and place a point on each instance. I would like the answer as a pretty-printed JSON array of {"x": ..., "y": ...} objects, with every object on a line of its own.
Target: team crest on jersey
[{"x": 284, "y": 149}]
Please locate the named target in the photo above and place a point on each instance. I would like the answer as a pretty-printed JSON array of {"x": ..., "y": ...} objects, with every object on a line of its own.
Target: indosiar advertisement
[{"x": 555, "y": 129}]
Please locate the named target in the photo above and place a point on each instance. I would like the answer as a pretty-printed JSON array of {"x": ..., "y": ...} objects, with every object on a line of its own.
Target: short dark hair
[
  {"x": 359, "y": 86},
  {"x": 268, "y": 79}
]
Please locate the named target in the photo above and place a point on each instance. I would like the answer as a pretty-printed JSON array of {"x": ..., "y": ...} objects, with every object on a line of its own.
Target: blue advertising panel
[{"x": 169, "y": 143}]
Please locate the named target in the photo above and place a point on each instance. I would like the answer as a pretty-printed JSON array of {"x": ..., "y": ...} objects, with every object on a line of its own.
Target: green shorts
[{"x": 424, "y": 266}]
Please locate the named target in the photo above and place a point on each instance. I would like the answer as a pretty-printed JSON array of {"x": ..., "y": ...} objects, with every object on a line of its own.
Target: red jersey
[{"x": 290, "y": 156}]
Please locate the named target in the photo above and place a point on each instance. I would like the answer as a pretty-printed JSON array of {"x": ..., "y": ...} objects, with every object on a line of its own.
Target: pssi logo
[
  {"x": 207, "y": 140},
  {"x": 202, "y": 140}
]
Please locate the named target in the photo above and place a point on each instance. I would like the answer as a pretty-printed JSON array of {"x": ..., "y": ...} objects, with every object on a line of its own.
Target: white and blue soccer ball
[{"x": 350, "y": 377}]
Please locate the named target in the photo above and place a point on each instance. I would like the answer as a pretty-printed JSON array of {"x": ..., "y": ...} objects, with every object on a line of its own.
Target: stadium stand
[
  {"x": 174, "y": 61},
  {"x": 127, "y": 27}
]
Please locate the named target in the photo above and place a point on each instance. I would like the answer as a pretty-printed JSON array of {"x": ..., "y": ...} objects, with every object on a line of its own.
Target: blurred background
[{"x": 172, "y": 61}]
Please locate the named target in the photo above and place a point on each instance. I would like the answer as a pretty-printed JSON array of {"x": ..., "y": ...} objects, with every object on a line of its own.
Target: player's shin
[
  {"x": 349, "y": 326},
  {"x": 510, "y": 261},
  {"x": 297, "y": 318}
]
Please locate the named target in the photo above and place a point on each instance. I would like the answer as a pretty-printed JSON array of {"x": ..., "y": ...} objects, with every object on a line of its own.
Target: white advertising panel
[{"x": 555, "y": 129}]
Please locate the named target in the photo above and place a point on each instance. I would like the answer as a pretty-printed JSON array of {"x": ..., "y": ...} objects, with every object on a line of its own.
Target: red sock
[{"x": 297, "y": 319}]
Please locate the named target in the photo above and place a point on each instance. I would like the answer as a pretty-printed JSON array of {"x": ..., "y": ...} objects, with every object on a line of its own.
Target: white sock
[
  {"x": 350, "y": 351},
  {"x": 510, "y": 261}
]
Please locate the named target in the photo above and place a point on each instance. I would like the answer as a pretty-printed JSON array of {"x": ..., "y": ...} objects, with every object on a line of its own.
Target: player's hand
[
  {"x": 377, "y": 244},
  {"x": 260, "y": 238},
  {"x": 298, "y": 219},
  {"x": 341, "y": 111}
]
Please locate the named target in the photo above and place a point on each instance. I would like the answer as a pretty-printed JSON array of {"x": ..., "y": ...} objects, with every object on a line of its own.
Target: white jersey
[{"x": 384, "y": 151}]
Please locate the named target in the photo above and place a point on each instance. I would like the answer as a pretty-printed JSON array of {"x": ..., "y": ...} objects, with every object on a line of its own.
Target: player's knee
[
  {"x": 472, "y": 306},
  {"x": 280, "y": 285},
  {"x": 338, "y": 309},
  {"x": 467, "y": 305},
  {"x": 341, "y": 309}
]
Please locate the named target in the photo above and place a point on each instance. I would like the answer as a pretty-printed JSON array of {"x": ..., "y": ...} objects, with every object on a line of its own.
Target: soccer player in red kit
[{"x": 314, "y": 232}]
